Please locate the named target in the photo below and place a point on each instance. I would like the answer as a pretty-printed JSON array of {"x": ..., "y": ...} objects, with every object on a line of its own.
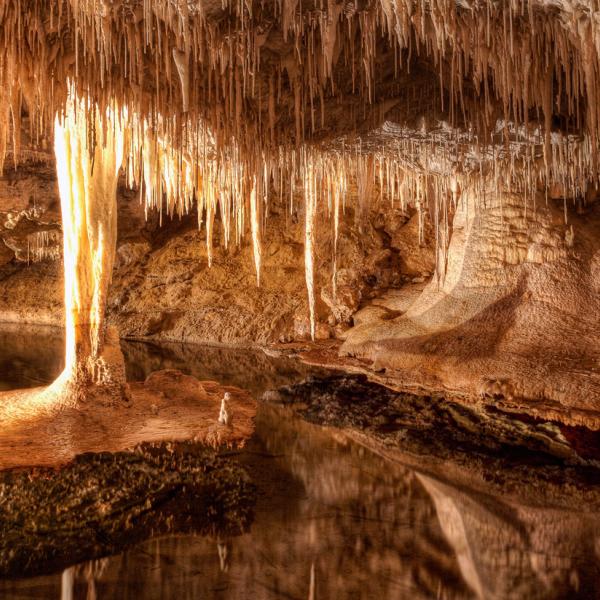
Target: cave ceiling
[{"x": 465, "y": 91}]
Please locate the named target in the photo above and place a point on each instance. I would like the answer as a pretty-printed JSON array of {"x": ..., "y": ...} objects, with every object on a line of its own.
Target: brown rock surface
[
  {"x": 515, "y": 320},
  {"x": 168, "y": 406},
  {"x": 163, "y": 288}
]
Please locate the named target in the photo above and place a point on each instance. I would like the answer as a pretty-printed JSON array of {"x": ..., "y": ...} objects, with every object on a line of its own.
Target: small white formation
[
  {"x": 496, "y": 389},
  {"x": 223, "y": 550},
  {"x": 225, "y": 416}
]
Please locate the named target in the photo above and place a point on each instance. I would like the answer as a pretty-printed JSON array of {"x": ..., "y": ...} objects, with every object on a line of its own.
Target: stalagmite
[
  {"x": 225, "y": 415},
  {"x": 87, "y": 179}
]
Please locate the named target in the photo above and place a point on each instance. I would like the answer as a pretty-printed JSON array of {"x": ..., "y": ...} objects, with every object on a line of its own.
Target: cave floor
[{"x": 167, "y": 406}]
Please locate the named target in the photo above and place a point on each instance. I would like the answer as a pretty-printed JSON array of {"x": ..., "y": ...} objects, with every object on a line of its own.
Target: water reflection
[
  {"x": 335, "y": 520},
  {"x": 83, "y": 576},
  {"x": 251, "y": 370},
  {"x": 33, "y": 356},
  {"x": 29, "y": 356}
]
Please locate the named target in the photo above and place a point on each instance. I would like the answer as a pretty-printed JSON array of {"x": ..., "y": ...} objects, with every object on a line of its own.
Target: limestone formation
[
  {"x": 516, "y": 318},
  {"x": 465, "y": 134},
  {"x": 225, "y": 413}
]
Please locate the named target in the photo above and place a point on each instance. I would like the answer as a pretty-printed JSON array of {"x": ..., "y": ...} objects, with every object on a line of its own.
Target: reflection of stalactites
[
  {"x": 224, "y": 551},
  {"x": 67, "y": 582},
  {"x": 89, "y": 572},
  {"x": 312, "y": 583}
]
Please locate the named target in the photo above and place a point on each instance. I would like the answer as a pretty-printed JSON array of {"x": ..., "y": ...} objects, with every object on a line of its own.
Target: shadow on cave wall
[{"x": 477, "y": 337}]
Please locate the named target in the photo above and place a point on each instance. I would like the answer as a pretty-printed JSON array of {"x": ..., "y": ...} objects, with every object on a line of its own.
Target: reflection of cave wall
[
  {"x": 29, "y": 357},
  {"x": 251, "y": 370},
  {"x": 519, "y": 304},
  {"x": 370, "y": 528},
  {"x": 32, "y": 356},
  {"x": 519, "y": 552}
]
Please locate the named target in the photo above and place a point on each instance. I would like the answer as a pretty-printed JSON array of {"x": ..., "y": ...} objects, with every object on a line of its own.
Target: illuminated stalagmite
[{"x": 88, "y": 164}]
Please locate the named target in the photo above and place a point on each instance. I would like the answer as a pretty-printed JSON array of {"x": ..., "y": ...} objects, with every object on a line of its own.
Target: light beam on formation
[{"x": 87, "y": 179}]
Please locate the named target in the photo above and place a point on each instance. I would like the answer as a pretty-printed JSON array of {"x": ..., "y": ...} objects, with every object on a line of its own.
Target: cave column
[{"x": 89, "y": 152}]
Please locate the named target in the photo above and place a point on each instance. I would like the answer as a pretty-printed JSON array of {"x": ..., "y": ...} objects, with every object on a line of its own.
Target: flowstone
[{"x": 168, "y": 406}]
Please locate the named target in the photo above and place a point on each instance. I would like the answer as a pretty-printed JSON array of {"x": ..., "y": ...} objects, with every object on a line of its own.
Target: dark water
[{"x": 333, "y": 519}]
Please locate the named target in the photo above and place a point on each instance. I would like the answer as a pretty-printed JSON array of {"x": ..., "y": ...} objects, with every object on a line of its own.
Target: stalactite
[
  {"x": 210, "y": 117},
  {"x": 337, "y": 193},
  {"x": 255, "y": 225},
  {"x": 182, "y": 62},
  {"x": 310, "y": 201},
  {"x": 43, "y": 246}
]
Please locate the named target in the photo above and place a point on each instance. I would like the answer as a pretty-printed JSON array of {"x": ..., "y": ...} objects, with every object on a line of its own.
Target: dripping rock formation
[{"x": 416, "y": 181}]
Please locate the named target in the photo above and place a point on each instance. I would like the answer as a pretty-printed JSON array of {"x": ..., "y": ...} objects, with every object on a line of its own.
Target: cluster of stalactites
[
  {"x": 187, "y": 84},
  {"x": 412, "y": 170},
  {"x": 43, "y": 246},
  {"x": 157, "y": 58}
]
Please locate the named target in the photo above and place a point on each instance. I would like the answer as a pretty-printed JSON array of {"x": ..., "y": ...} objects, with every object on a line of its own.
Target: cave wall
[
  {"x": 512, "y": 317},
  {"x": 163, "y": 289},
  {"x": 516, "y": 318}
]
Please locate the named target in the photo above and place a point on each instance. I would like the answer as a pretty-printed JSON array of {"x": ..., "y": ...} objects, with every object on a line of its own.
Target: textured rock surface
[
  {"x": 163, "y": 289},
  {"x": 468, "y": 436},
  {"x": 101, "y": 503},
  {"x": 426, "y": 102},
  {"x": 516, "y": 318}
]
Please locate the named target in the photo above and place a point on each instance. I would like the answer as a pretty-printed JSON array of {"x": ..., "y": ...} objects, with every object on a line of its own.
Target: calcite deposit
[{"x": 336, "y": 158}]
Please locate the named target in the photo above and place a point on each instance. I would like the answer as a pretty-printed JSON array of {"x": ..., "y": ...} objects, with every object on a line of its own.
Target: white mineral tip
[{"x": 225, "y": 416}]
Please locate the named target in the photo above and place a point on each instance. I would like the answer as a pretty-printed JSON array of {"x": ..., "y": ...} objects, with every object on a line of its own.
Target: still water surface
[{"x": 333, "y": 519}]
